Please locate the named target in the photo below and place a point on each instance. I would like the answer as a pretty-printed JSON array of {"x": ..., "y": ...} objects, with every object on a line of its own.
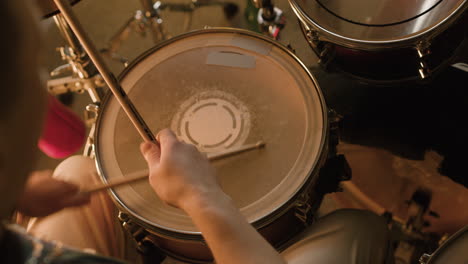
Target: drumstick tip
[{"x": 260, "y": 144}]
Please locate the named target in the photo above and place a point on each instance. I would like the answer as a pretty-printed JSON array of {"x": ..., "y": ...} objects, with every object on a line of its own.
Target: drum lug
[
  {"x": 423, "y": 50},
  {"x": 91, "y": 114},
  {"x": 325, "y": 55},
  {"x": 123, "y": 217},
  {"x": 423, "y": 70},
  {"x": 312, "y": 37},
  {"x": 90, "y": 117},
  {"x": 137, "y": 232},
  {"x": 145, "y": 243},
  {"x": 303, "y": 210},
  {"x": 322, "y": 50},
  {"x": 424, "y": 259}
]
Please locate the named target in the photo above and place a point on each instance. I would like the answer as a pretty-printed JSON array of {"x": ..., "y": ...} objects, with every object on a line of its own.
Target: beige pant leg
[
  {"x": 344, "y": 236},
  {"x": 93, "y": 226}
]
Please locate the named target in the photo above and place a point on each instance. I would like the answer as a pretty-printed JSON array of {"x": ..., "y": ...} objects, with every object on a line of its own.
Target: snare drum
[
  {"x": 384, "y": 41},
  {"x": 452, "y": 251},
  {"x": 217, "y": 89}
]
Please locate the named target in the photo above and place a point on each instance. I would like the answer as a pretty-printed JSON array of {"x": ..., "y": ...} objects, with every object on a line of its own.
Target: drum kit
[{"x": 256, "y": 89}]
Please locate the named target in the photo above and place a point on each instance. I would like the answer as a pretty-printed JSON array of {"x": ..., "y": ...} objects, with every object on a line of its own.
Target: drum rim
[
  {"x": 276, "y": 213},
  {"x": 355, "y": 43},
  {"x": 453, "y": 238}
]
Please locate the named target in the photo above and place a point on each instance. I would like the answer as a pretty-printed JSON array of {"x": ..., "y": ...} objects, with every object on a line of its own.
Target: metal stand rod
[
  {"x": 78, "y": 64},
  {"x": 107, "y": 75},
  {"x": 67, "y": 35}
]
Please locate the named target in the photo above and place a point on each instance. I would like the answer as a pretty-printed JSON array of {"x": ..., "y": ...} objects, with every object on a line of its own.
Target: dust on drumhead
[{"x": 212, "y": 120}]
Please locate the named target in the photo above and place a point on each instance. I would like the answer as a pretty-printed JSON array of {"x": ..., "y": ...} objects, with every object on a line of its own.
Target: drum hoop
[
  {"x": 409, "y": 40},
  {"x": 447, "y": 243},
  {"x": 277, "y": 212}
]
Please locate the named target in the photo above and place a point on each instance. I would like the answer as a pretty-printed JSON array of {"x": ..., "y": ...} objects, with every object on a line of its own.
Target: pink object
[{"x": 64, "y": 132}]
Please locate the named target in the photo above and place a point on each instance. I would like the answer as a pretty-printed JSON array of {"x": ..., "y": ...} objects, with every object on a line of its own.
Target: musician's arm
[
  {"x": 230, "y": 237},
  {"x": 184, "y": 178}
]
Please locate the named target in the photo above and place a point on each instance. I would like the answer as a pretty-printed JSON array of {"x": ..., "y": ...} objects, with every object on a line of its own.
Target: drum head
[
  {"x": 218, "y": 89},
  {"x": 368, "y": 21}
]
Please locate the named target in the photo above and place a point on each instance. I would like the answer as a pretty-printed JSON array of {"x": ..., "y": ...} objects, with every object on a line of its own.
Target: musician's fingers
[{"x": 151, "y": 152}]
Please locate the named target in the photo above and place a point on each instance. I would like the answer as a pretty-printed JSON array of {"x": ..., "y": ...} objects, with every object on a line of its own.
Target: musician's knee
[
  {"x": 78, "y": 169},
  {"x": 343, "y": 236}
]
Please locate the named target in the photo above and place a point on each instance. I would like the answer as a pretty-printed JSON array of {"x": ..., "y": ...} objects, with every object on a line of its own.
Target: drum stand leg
[{"x": 149, "y": 18}]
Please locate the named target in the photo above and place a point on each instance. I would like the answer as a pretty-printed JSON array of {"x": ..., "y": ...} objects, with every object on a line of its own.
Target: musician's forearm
[{"x": 230, "y": 237}]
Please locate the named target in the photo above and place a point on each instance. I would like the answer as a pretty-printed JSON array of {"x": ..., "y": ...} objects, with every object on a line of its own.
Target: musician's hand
[
  {"x": 179, "y": 173},
  {"x": 44, "y": 195},
  {"x": 184, "y": 178}
]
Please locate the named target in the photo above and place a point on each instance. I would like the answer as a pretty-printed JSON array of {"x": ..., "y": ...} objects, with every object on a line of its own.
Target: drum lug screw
[
  {"x": 137, "y": 232},
  {"x": 91, "y": 114},
  {"x": 149, "y": 249},
  {"x": 123, "y": 217},
  {"x": 313, "y": 37},
  {"x": 325, "y": 54},
  {"x": 424, "y": 258},
  {"x": 290, "y": 47},
  {"x": 423, "y": 71},
  {"x": 423, "y": 48},
  {"x": 90, "y": 117},
  {"x": 145, "y": 243}
]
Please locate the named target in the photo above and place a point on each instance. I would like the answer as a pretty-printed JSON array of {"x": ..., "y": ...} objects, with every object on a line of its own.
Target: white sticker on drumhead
[{"x": 212, "y": 121}]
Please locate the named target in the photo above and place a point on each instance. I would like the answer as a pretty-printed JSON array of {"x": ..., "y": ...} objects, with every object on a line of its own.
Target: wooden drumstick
[
  {"x": 109, "y": 78},
  {"x": 143, "y": 174}
]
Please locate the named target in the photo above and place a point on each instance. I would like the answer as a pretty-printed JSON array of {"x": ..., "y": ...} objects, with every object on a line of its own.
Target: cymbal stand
[
  {"x": 270, "y": 18},
  {"x": 149, "y": 17},
  {"x": 83, "y": 75}
]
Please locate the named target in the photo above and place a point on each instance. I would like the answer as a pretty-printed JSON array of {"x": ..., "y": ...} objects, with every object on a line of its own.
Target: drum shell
[
  {"x": 282, "y": 221},
  {"x": 193, "y": 248},
  {"x": 392, "y": 61}
]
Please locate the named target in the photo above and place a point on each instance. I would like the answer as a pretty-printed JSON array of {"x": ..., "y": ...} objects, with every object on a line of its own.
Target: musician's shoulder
[{"x": 20, "y": 247}]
